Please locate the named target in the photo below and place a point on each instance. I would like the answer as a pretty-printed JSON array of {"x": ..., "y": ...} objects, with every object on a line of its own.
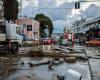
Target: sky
[{"x": 61, "y": 12}]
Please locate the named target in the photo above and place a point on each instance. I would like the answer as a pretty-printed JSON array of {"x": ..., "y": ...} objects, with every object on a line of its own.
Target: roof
[{"x": 25, "y": 20}]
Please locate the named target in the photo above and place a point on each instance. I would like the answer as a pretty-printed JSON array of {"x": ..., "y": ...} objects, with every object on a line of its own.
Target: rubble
[
  {"x": 38, "y": 64},
  {"x": 72, "y": 74},
  {"x": 36, "y": 53},
  {"x": 27, "y": 77},
  {"x": 70, "y": 59}
]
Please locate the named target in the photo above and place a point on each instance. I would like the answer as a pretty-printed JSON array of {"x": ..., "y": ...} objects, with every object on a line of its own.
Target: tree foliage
[
  {"x": 45, "y": 22},
  {"x": 10, "y": 9}
]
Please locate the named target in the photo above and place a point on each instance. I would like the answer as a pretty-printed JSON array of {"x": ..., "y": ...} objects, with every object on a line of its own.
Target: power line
[
  {"x": 90, "y": 1},
  {"x": 52, "y": 8},
  {"x": 60, "y": 7}
]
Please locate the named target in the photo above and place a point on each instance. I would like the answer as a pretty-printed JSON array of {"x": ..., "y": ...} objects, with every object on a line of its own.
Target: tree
[
  {"x": 10, "y": 9},
  {"x": 45, "y": 22}
]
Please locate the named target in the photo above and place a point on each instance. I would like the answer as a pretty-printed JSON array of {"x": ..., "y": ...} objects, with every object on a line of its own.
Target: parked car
[{"x": 46, "y": 41}]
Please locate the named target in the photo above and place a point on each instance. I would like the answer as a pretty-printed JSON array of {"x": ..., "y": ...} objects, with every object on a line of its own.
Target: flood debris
[
  {"x": 50, "y": 65},
  {"x": 22, "y": 63},
  {"x": 38, "y": 64},
  {"x": 27, "y": 77},
  {"x": 61, "y": 77},
  {"x": 57, "y": 61},
  {"x": 73, "y": 75},
  {"x": 70, "y": 74},
  {"x": 70, "y": 59},
  {"x": 4, "y": 58},
  {"x": 36, "y": 53}
]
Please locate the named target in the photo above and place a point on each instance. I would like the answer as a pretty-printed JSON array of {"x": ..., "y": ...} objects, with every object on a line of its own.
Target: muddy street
[{"x": 17, "y": 68}]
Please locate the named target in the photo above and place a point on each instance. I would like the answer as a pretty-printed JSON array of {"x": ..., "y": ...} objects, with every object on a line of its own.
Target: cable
[
  {"x": 90, "y": 1},
  {"x": 52, "y": 8}
]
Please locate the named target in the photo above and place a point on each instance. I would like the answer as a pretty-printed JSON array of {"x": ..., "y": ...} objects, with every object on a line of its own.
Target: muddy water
[{"x": 20, "y": 71}]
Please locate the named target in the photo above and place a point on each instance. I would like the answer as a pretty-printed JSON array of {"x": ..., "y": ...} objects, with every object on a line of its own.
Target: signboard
[
  {"x": 2, "y": 37},
  {"x": 29, "y": 27}
]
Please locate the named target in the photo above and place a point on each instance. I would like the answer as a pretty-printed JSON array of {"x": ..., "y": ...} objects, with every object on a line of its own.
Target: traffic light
[{"x": 77, "y": 5}]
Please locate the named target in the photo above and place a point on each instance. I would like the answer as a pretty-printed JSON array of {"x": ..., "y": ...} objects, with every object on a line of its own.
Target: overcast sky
[{"x": 60, "y": 17}]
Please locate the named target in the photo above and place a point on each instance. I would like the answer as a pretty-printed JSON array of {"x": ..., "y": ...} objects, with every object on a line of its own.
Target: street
[
  {"x": 12, "y": 69},
  {"x": 49, "y": 39}
]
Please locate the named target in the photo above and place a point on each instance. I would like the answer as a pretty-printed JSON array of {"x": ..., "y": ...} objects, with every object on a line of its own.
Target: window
[
  {"x": 29, "y": 27},
  {"x": 24, "y": 25}
]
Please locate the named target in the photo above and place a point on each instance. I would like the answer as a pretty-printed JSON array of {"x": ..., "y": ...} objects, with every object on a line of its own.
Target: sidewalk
[{"x": 94, "y": 60}]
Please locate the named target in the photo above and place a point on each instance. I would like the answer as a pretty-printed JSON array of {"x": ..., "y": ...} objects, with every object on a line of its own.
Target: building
[
  {"x": 84, "y": 25},
  {"x": 81, "y": 27},
  {"x": 77, "y": 26},
  {"x": 30, "y": 28}
]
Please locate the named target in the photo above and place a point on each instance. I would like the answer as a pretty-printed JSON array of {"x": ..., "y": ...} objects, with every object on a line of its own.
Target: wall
[{"x": 34, "y": 33}]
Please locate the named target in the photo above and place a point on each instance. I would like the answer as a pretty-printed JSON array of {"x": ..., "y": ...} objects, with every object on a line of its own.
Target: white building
[
  {"x": 83, "y": 25},
  {"x": 77, "y": 26}
]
